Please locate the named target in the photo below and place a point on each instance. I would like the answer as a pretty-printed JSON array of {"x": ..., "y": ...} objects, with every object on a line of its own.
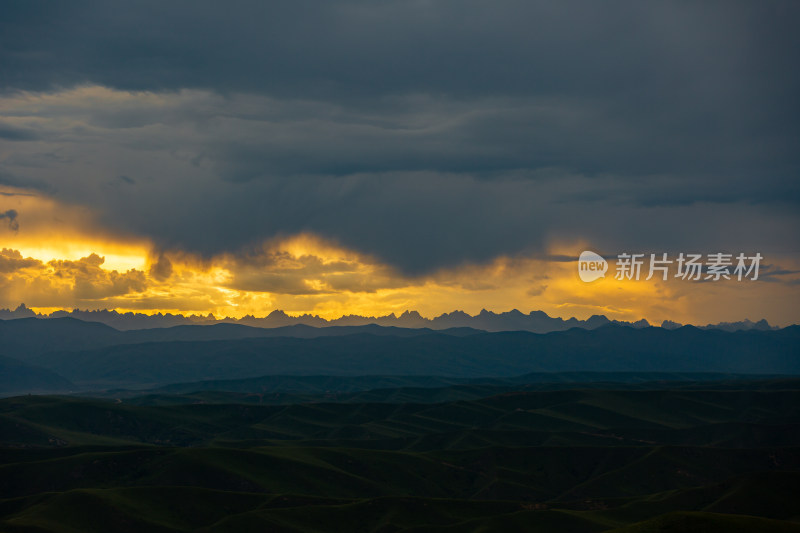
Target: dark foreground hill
[
  {"x": 560, "y": 460},
  {"x": 608, "y": 349}
]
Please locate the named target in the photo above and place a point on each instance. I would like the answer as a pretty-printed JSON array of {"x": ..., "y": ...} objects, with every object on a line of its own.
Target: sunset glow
[
  {"x": 75, "y": 267},
  {"x": 235, "y": 201}
]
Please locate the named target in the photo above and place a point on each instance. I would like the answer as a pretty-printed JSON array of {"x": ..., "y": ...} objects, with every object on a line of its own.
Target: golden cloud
[{"x": 61, "y": 259}]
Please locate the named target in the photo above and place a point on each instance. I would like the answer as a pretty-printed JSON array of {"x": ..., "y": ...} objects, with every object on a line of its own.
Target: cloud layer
[
  {"x": 424, "y": 187},
  {"x": 426, "y": 135}
]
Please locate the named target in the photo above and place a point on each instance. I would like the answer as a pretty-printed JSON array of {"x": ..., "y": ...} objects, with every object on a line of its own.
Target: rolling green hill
[{"x": 691, "y": 457}]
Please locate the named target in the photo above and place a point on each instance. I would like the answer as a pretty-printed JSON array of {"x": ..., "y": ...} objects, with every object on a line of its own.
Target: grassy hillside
[{"x": 585, "y": 460}]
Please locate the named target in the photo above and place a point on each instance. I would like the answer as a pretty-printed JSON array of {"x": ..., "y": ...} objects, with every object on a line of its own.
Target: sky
[{"x": 367, "y": 157}]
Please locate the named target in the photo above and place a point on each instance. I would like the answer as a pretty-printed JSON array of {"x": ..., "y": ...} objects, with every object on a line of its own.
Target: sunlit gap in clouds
[
  {"x": 74, "y": 268},
  {"x": 61, "y": 257}
]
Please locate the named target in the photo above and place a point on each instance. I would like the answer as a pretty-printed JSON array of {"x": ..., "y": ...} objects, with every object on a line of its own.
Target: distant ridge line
[{"x": 514, "y": 320}]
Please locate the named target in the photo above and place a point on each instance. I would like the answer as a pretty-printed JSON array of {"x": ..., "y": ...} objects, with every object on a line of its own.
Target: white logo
[
  {"x": 690, "y": 266},
  {"x": 591, "y": 266}
]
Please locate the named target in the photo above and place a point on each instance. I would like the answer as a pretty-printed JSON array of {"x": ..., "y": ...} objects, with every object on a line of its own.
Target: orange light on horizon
[{"x": 306, "y": 274}]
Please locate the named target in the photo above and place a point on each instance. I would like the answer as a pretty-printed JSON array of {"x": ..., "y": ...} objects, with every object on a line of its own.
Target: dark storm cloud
[
  {"x": 11, "y": 215},
  {"x": 162, "y": 268},
  {"x": 11, "y": 133},
  {"x": 320, "y": 48},
  {"x": 424, "y": 132}
]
